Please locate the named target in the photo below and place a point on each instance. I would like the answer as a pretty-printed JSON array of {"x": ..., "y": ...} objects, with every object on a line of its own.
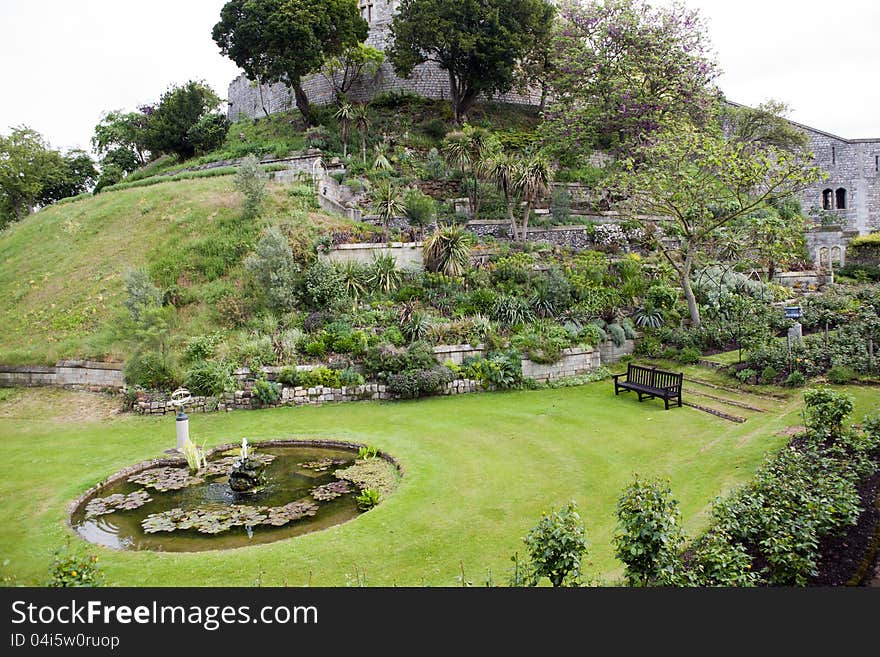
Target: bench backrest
[{"x": 650, "y": 376}]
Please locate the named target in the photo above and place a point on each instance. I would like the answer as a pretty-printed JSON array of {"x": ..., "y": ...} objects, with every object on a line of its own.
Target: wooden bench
[{"x": 649, "y": 382}]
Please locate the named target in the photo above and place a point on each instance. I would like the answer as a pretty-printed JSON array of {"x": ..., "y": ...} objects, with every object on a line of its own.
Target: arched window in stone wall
[
  {"x": 836, "y": 255},
  {"x": 840, "y": 199},
  {"x": 823, "y": 257},
  {"x": 828, "y": 199}
]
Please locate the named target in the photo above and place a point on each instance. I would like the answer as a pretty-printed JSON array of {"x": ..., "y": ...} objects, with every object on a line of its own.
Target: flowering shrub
[{"x": 72, "y": 568}]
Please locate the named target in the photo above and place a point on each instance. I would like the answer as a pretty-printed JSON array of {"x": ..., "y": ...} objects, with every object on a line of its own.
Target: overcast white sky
[{"x": 64, "y": 62}]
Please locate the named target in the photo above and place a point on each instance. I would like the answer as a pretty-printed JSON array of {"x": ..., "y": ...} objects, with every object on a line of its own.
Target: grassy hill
[{"x": 62, "y": 269}]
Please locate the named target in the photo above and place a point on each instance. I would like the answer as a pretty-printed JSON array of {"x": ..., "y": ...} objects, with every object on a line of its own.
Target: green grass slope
[{"x": 62, "y": 269}]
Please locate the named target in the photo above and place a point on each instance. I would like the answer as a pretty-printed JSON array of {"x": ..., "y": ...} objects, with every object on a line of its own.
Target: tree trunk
[
  {"x": 302, "y": 102},
  {"x": 262, "y": 99},
  {"x": 510, "y": 216},
  {"x": 689, "y": 292},
  {"x": 344, "y": 137},
  {"x": 524, "y": 233},
  {"x": 364, "y": 145},
  {"x": 455, "y": 99}
]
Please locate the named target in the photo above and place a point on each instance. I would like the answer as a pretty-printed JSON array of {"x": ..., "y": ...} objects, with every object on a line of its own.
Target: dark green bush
[
  {"x": 416, "y": 383},
  {"x": 267, "y": 392},
  {"x": 150, "y": 369},
  {"x": 841, "y": 374},
  {"x": 795, "y": 380},
  {"x": 689, "y": 356},
  {"x": 289, "y": 376},
  {"x": 207, "y": 378},
  {"x": 769, "y": 374},
  {"x": 557, "y": 545}
]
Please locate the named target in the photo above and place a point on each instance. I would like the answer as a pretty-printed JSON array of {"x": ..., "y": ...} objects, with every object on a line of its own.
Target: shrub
[
  {"x": 384, "y": 276},
  {"x": 73, "y": 568},
  {"x": 841, "y": 374},
  {"x": 420, "y": 208},
  {"x": 501, "y": 369},
  {"x": 250, "y": 180},
  {"x": 689, "y": 356},
  {"x": 769, "y": 374},
  {"x": 415, "y": 383},
  {"x": 746, "y": 375},
  {"x": 289, "y": 376},
  {"x": 207, "y": 378},
  {"x": 826, "y": 411},
  {"x": 275, "y": 270},
  {"x": 557, "y": 545},
  {"x": 794, "y": 500},
  {"x": 350, "y": 377},
  {"x": 795, "y": 380},
  {"x": 383, "y": 360},
  {"x": 209, "y": 133},
  {"x": 267, "y": 392},
  {"x": 201, "y": 347},
  {"x": 323, "y": 284},
  {"x": 254, "y": 351},
  {"x": 648, "y": 346},
  {"x": 320, "y": 376},
  {"x": 141, "y": 294},
  {"x": 718, "y": 561},
  {"x": 649, "y": 535},
  {"x": 150, "y": 369}
]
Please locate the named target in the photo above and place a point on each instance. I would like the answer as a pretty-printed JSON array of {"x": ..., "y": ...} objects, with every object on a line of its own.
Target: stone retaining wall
[
  {"x": 611, "y": 353},
  {"x": 80, "y": 374},
  {"x": 574, "y": 362},
  {"x": 245, "y": 400},
  {"x": 407, "y": 255}
]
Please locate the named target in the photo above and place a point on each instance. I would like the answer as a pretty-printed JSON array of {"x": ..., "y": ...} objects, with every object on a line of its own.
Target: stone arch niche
[
  {"x": 840, "y": 199},
  {"x": 836, "y": 255}
]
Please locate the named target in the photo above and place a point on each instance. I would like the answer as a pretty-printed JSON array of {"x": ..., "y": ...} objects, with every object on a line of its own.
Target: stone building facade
[{"x": 851, "y": 193}]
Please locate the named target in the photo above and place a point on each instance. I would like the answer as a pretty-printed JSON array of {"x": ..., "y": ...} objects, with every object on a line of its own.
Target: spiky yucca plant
[{"x": 447, "y": 250}]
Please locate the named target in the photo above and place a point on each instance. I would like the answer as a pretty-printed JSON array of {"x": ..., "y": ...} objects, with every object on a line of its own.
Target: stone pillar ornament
[{"x": 180, "y": 398}]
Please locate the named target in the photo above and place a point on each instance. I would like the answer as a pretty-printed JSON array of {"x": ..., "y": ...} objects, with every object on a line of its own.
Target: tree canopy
[
  {"x": 622, "y": 71},
  {"x": 33, "y": 174},
  {"x": 692, "y": 182},
  {"x": 171, "y": 125},
  {"x": 284, "y": 40},
  {"x": 479, "y": 43}
]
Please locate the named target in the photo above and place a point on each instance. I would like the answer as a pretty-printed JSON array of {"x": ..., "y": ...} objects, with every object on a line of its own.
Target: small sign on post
[{"x": 793, "y": 312}]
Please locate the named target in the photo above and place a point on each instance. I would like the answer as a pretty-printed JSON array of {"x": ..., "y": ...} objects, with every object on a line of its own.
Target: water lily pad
[
  {"x": 215, "y": 519},
  {"x": 165, "y": 479},
  {"x": 331, "y": 491},
  {"x": 322, "y": 465},
  {"x": 99, "y": 506}
]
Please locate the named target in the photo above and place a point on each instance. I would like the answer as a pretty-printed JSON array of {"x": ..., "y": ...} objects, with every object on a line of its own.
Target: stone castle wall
[{"x": 247, "y": 99}]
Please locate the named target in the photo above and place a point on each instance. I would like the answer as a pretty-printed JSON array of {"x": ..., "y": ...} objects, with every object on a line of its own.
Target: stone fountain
[{"x": 246, "y": 475}]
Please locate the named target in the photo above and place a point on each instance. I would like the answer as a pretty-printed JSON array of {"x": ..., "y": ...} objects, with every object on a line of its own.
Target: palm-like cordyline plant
[
  {"x": 447, "y": 250},
  {"x": 533, "y": 183},
  {"x": 468, "y": 151},
  {"x": 387, "y": 203},
  {"x": 362, "y": 121},
  {"x": 345, "y": 113},
  {"x": 504, "y": 171}
]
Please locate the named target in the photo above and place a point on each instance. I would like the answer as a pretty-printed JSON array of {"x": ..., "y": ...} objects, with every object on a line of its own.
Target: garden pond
[{"x": 163, "y": 506}]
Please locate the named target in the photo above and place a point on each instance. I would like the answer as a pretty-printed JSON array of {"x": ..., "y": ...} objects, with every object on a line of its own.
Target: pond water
[{"x": 288, "y": 505}]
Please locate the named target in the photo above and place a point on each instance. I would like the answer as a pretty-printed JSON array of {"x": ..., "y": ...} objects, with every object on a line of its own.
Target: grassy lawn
[{"x": 479, "y": 470}]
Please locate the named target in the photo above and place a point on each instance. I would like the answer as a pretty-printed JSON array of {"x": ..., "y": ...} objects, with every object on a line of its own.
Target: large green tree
[
  {"x": 479, "y": 43},
  {"x": 284, "y": 40},
  {"x": 33, "y": 174},
  {"x": 124, "y": 135},
  {"x": 171, "y": 125},
  {"x": 691, "y": 183},
  {"x": 622, "y": 71}
]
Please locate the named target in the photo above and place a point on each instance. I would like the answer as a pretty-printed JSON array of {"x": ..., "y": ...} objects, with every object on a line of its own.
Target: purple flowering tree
[{"x": 621, "y": 70}]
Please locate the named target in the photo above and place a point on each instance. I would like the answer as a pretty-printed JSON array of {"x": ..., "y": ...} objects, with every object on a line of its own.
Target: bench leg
[{"x": 666, "y": 401}]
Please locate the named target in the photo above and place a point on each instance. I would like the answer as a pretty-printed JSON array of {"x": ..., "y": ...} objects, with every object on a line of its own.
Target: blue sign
[{"x": 792, "y": 312}]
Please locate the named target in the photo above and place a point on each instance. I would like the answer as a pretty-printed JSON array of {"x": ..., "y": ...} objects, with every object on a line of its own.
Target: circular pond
[{"x": 162, "y": 505}]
